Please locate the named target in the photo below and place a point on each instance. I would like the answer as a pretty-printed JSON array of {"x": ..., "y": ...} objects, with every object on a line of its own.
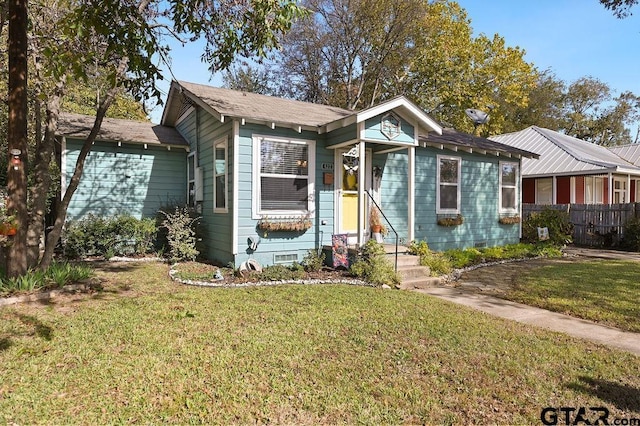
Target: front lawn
[
  {"x": 605, "y": 291},
  {"x": 147, "y": 350}
]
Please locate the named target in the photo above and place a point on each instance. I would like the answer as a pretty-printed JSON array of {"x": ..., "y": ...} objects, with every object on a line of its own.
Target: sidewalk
[{"x": 541, "y": 318}]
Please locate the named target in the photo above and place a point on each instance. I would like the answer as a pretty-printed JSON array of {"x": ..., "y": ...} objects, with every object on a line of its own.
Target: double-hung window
[
  {"x": 448, "y": 185},
  {"x": 220, "y": 176},
  {"x": 508, "y": 187},
  {"x": 283, "y": 177}
]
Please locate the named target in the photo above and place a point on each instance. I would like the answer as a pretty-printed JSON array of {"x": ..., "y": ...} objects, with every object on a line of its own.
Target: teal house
[{"x": 274, "y": 178}]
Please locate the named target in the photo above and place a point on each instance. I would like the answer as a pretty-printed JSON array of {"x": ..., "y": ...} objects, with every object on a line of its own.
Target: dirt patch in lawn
[{"x": 496, "y": 280}]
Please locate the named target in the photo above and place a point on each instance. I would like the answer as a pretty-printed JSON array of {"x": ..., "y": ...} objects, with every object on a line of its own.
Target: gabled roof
[
  {"x": 563, "y": 155},
  {"x": 452, "y": 139},
  {"x": 118, "y": 130},
  {"x": 252, "y": 107},
  {"x": 279, "y": 112}
]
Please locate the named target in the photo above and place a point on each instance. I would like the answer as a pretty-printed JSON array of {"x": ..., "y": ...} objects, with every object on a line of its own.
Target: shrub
[
  {"x": 313, "y": 261},
  {"x": 462, "y": 258},
  {"x": 557, "y": 221},
  {"x": 372, "y": 265},
  {"x": 282, "y": 272},
  {"x": 180, "y": 225},
  {"x": 631, "y": 239},
  {"x": 438, "y": 263},
  {"x": 98, "y": 236}
]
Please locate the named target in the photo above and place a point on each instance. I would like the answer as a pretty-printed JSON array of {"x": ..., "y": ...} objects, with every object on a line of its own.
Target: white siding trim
[
  {"x": 236, "y": 173},
  {"x": 412, "y": 195}
]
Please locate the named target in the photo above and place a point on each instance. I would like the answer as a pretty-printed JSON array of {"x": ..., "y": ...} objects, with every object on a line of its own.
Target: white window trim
[
  {"x": 225, "y": 142},
  {"x": 257, "y": 212},
  {"x": 623, "y": 193},
  {"x": 459, "y": 185},
  {"x": 516, "y": 208}
]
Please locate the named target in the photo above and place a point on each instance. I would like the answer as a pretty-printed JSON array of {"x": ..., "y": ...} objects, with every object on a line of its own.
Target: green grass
[
  {"x": 147, "y": 350},
  {"x": 603, "y": 291}
]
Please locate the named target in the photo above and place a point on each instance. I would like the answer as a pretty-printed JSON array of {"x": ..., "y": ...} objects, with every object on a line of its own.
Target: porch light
[
  {"x": 377, "y": 172},
  {"x": 15, "y": 161}
]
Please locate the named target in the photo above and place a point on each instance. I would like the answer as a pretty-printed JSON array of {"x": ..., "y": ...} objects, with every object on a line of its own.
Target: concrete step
[
  {"x": 411, "y": 272},
  {"x": 403, "y": 259},
  {"x": 418, "y": 283}
]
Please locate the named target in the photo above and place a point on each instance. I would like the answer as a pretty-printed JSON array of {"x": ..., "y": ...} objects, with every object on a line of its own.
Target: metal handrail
[{"x": 388, "y": 223}]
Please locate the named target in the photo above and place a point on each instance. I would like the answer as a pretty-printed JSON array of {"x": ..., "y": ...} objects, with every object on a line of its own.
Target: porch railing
[{"x": 390, "y": 227}]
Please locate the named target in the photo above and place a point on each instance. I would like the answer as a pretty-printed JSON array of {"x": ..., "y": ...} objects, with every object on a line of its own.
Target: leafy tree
[
  {"x": 125, "y": 39},
  {"x": 620, "y": 8}
]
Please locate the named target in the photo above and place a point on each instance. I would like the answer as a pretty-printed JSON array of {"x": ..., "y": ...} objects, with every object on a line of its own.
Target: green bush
[
  {"x": 372, "y": 265},
  {"x": 118, "y": 236},
  {"x": 461, "y": 258},
  {"x": 313, "y": 261},
  {"x": 282, "y": 272},
  {"x": 557, "y": 221},
  {"x": 180, "y": 225},
  {"x": 631, "y": 239},
  {"x": 438, "y": 263}
]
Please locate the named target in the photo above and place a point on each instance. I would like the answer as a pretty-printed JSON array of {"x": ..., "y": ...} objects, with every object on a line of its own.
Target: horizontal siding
[
  {"x": 479, "y": 200},
  {"x": 126, "y": 180},
  {"x": 272, "y": 243},
  {"x": 373, "y": 130},
  {"x": 202, "y": 131}
]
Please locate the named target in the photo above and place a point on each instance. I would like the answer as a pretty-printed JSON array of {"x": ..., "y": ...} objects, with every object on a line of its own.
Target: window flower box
[
  {"x": 297, "y": 224},
  {"x": 450, "y": 220},
  {"x": 509, "y": 220}
]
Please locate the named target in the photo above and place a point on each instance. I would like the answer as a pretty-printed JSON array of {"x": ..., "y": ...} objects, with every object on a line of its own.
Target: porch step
[
  {"x": 424, "y": 282},
  {"x": 403, "y": 259}
]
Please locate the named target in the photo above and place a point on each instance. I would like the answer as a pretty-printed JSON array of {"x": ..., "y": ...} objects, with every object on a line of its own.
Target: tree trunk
[
  {"x": 61, "y": 214},
  {"x": 42, "y": 177},
  {"x": 17, "y": 135}
]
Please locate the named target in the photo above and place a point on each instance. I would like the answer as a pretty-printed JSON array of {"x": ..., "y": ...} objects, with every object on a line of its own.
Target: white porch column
[
  {"x": 412, "y": 195},
  {"x": 554, "y": 190},
  {"x": 362, "y": 202},
  {"x": 610, "y": 184},
  {"x": 627, "y": 192}
]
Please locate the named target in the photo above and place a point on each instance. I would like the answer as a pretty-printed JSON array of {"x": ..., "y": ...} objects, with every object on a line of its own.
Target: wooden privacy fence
[{"x": 593, "y": 224}]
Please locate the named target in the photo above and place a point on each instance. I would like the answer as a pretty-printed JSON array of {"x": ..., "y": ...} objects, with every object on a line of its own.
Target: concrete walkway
[{"x": 546, "y": 319}]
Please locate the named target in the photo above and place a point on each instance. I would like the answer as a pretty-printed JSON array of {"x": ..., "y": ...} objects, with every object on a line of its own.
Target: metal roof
[
  {"x": 453, "y": 139},
  {"x": 118, "y": 130},
  {"x": 563, "y": 155},
  {"x": 630, "y": 152}
]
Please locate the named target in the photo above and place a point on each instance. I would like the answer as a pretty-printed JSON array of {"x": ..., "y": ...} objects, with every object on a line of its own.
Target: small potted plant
[
  {"x": 8, "y": 224},
  {"x": 378, "y": 230}
]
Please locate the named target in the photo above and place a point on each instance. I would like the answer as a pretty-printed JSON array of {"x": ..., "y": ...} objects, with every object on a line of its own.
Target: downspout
[{"x": 235, "y": 140}]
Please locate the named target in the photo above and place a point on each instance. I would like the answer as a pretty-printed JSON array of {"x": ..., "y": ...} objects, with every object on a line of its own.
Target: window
[
  {"x": 283, "y": 177},
  {"x": 220, "y": 176},
  {"x": 191, "y": 179},
  {"x": 619, "y": 191},
  {"x": 544, "y": 191},
  {"x": 593, "y": 190},
  {"x": 508, "y": 187},
  {"x": 448, "y": 189}
]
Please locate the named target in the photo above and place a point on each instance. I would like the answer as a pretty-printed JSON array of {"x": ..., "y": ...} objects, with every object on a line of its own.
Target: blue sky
[{"x": 573, "y": 38}]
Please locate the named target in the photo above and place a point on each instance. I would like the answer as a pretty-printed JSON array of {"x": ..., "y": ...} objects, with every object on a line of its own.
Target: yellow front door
[{"x": 347, "y": 185}]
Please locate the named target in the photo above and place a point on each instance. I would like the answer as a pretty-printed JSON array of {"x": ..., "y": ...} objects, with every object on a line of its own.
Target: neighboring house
[
  {"x": 571, "y": 170},
  {"x": 274, "y": 178},
  {"x": 630, "y": 153}
]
